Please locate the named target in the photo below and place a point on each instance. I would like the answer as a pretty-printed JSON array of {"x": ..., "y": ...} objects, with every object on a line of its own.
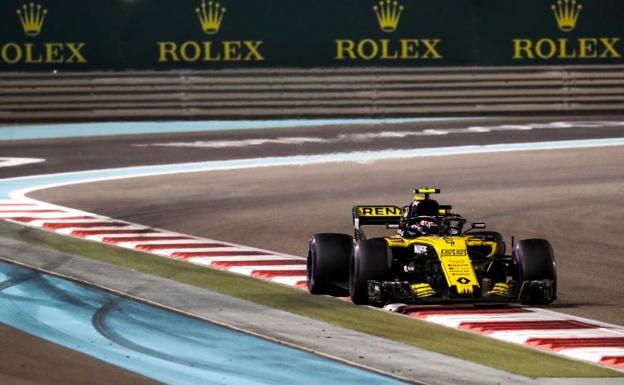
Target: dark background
[{"x": 123, "y": 34}]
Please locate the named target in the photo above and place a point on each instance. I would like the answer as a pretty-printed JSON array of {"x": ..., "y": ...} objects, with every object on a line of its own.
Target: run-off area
[{"x": 159, "y": 344}]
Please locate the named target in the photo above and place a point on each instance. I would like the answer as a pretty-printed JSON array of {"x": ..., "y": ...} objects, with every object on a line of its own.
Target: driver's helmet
[
  {"x": 420, "y": 218},
  {"x": 428, "y": 226}
]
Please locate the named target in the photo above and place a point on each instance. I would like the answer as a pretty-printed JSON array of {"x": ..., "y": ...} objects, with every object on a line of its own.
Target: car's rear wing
[
  {"x": 384, "y": 215},
  {"x": 376, "y": 215}
]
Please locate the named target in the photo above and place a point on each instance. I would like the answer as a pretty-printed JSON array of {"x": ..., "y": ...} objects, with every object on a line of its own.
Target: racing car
[{"x": 433, "y": 257}]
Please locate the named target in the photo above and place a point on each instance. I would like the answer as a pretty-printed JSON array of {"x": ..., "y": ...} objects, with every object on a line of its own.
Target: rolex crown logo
[
  {"x": 32, "y": 17},
  {"x": 388, "y": 14},
  {"x": 210, "y": 16},
  {"x": 566, "y": 13}
]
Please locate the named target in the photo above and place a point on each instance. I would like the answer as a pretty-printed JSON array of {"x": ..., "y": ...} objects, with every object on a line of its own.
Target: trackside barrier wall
[
  {"x": 105, "y": 35},
  {"x": 309, "y": 93},
  {"x": 76, "y": 60}
]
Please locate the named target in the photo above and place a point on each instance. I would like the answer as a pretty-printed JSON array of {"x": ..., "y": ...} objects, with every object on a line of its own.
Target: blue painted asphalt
[
  {"x": 158, "y": 344},
  {"x": 49, "y": 131}
]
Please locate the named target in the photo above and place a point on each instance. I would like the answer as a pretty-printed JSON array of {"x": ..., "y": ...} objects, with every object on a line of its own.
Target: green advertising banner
[{"x": 74, "y": 35}]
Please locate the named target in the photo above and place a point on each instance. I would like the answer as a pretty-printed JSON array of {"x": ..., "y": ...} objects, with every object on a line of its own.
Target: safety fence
[{"x": 245, "y": 94}]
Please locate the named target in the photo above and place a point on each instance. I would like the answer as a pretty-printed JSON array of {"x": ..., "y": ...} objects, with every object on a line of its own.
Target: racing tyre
[
  {"x": 534, "y": 260},
  {"x": 370, "y": 261},
  {"x": 328, "y": 264}
]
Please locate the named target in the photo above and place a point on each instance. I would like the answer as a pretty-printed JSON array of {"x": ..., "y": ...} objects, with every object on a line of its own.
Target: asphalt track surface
[
  {"x": 572, "y": 197},
  {"x": 27, "y": 360},
  {"x": 96, "y": 153}
]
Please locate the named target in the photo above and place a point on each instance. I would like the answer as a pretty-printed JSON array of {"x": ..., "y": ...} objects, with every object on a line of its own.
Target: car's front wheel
[{"x": 534, "y": 262}]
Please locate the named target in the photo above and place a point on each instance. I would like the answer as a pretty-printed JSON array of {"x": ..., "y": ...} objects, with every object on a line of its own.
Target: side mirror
[{"x": 477, "y": 225}]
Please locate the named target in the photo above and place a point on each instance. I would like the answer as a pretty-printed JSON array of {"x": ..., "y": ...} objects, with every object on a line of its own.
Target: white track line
[
  {"x": 247, "y": 270},
  {"x": 592, "y": 354},
  {"x": 207, "y": 261},
  {"x": 290, "y": 281},
  {"x": 147, "y": 236},
  {"x": 172, "y": 242},
  {"x": 521, "y": 337},
  {"x": 455, "y": 321},
  {"x": 69, "y": 230},
  {"x": 42, "y": 216},
  {"x": 12, "y": 162},
  {"x": 170, "y": 252}
]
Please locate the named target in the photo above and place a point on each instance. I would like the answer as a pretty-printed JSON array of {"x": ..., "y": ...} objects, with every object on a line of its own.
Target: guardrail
[{"x": 309, "y": 93}]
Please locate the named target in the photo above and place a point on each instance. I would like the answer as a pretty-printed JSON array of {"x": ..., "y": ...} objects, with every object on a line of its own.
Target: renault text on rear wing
[{"x": 376, "y": 215}]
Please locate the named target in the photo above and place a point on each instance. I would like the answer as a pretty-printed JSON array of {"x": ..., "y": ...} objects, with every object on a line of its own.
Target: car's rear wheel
[
  {"x": 370, "y": 261},
  {"x": 328, "y": 263},
  {"x": 534, "y": 261}
]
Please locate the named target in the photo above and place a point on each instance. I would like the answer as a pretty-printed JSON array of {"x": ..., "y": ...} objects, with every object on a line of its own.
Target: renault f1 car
[{"x": 430, "y": 259}]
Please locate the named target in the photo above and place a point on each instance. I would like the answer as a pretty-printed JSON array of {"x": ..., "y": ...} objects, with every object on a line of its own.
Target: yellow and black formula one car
[{"x": 430, "y": 259}]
